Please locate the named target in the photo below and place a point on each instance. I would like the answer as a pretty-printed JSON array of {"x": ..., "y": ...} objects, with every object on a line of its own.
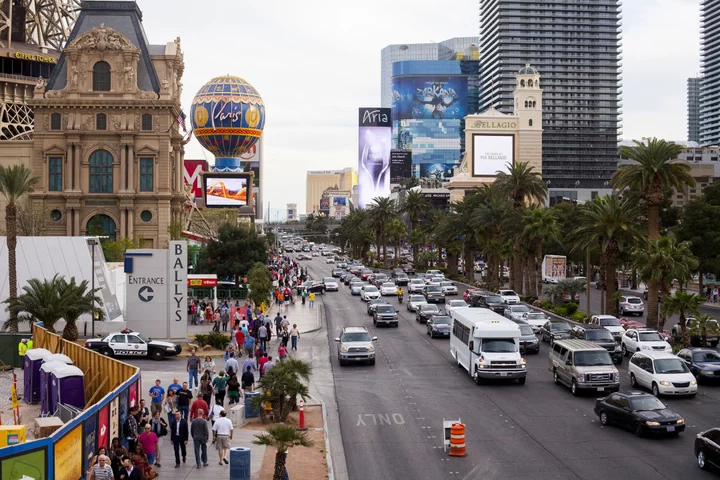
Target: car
[
  {"x": 356, "y": 345},
  {"x": 396, "y": 272},
  {"x": 438, "y": 326},
  {"x": 378, "y": 279},
  {"x": 516, "y": 312},
  {"x": 315, "y": 254},
  {"x": 365, "y": 274},
  {"x": 469, "y": 292},
  {"x": 355, "y": 269},
  {"x": 368, "y": 292},
  {"x": 509, "y": 297},
  {"x": 385, "y": 315},
  {"x": 433, "y": 272},
  {"x": 492, "y": 301},
  {"x": 611, "y": 323},
  {"x": 329, "y": 260},
  {"x": 448, "y": 288},
  {"x": 566, "y": 297},
  {"x": 630, "y": 305},
  {"x": 414, "y": 301},
  {"x": 331, "y": 284},
  {"x": 129, "y": 343},
  {"x": 388, "y": 288},
  {"x": 555, "y": 330},
  {"x": 639, "y": 412},
  {"x": 454, "y": 305},
  {"x": 408, "y": 269},
  {"x": 601, "y": 337},
  {"x": 402, "y": 279},
  {"x": 356, "y": 287},
  {"x": 704, "y": 363},
  {"x": 312, "y": 286},
  {"x": 582, "y": 366},
  {"x": 637, "y": 339},
  {"x": 529, "y": 343},
  {"x": 337, "y": 272},
  {"x": 663, "y": 373},
  {"x": 416, "y": 285},
  {"x": 707, "y": 448},
  {"x": 426, "y": 311},
  {"x": 434, "y": 294},
  {"x": 350, "y": 279},
  {"x": 711, "y": 334},
  {"x": 342, "y": 265},
  {"x": 535, "y": 319},
  {"x": 373, "y": 303}
]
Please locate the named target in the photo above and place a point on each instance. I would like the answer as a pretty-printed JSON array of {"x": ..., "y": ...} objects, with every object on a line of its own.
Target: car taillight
[{"x": 87, "y": 344}]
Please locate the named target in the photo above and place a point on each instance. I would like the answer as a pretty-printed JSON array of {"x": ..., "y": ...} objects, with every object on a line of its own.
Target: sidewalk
[{"x": 640, "y": 291}]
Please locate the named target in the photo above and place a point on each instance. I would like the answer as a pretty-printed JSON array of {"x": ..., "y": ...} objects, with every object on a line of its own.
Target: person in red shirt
[
  {"x": 261, "y": 362},
  {"x": 240, "y": 338},
  {"x": 196, "y": 405}
]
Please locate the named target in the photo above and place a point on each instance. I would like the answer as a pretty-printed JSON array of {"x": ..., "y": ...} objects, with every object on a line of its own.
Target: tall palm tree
[
  {"x": 78, "y": 299},
  {"x": 444, "y": 233},
  {"x": 682, "y": 303},
  {"x": 653, "y": 173},
  {"x": 397, "y": 231},
  {"x": 463, "y": 216},
  {"x": 611, "y": 223},
  {"x": 414, "y": 207},
  {"x": 488, "y": 217},
  {"x": 539, "y": 226},
  {"x": 382, "y": 212},
  {"x": 40, "y": 302},
  {"x": 16, "y": 181},
  {"x": 282, "y": 438}
]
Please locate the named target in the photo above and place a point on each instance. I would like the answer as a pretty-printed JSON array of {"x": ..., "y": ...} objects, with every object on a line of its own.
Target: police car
[{"x": 129, "y": 343}]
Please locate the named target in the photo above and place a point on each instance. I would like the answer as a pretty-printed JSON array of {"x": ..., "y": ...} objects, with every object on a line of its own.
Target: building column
[
  {"x": 69, "y": 222},
  {"x": 123, "y": 173},
  {"x": 123, "y": 222},
  {"x": 130, "y": 223},
  {"x": 76, "y": 222},
  {"x": 78, "y": 162},
  {"x": 131, "y": 169},
  {"x": 178, "y": 172}
]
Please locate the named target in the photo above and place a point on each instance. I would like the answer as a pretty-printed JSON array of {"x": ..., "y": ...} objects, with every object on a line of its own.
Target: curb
[
  {"x": 328, "y": 455},
  {"x": 318, "y": 324}
]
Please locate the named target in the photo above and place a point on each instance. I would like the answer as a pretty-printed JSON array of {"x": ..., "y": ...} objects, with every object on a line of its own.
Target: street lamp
[{"x": 92, "y": 242}]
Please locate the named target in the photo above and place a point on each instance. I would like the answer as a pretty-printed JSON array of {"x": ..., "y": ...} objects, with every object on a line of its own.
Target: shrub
[
  {"x": 537, "y": 303},
  {"x": 214, "y": 339},
  {"x": 548, "y": 305},
  {"x": 578, "y": 317},
  {"x": 562, "y": 311},
  {"x": 571, "y": 308}
]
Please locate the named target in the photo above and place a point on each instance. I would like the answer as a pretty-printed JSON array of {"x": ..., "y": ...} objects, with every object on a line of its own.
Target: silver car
[
  {"x": 516, "y": 312},
  {"x": 356, "y": 287},
  {"x": 356, "y": 345},
  {"x": 414, "y": 301}
]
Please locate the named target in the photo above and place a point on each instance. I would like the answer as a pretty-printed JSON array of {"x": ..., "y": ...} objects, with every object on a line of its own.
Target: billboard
[
  {"x": 439, "y": 171},
  {"x": 438, "y": 97},
  {"x": 68, "y": 455},
  {"x": 89, "y": 441},
  {"x": 374, "y": 145},
  {"x": 225, "y": 190},
  {"x": 103, "y": 428},
  {"x": 32, "y": 464},
  {"x": 192, "y": 170},
  {"x": 400, "y": 165},
  {"x": 325, "y": 206},
  {"x": 339, "y": 201},
  {"x": 492, "y": 153}
]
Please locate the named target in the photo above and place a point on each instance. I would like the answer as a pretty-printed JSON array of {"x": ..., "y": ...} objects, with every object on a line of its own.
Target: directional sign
[{"x": 145, "y": 293}]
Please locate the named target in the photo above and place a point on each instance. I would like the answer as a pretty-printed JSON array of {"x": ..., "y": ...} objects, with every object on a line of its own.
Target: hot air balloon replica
[{"x": 228, "y": 116}]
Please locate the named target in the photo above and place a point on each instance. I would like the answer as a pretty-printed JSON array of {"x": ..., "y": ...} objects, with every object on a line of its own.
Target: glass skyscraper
[
  {"x": 576, "y": 46},
  {"x": 693, "y": 108},
  {"x": 710, "y": 64}
]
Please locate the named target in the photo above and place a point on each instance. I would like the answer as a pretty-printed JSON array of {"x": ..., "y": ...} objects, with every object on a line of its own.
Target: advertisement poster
[
  {"x": 89, "y": 440},
  {"x": 439, "y": 171},
  {"x": 191, "y": 175},
  {"x": 339, "y": 201},
  {"x": 374, "y": 145},
  {"x": 400, "y": 165},
  {"x": 31, "y": 464},
  {"x": 133, "y": 395},
  {"x": 103, "y": 430},
  {"x": 430, "y": 97},
  {"x": 225, "y": 192},
  {"x": 114, "y": 419},
  {"x": 492, "y": 154},
  {"x": 68, "y": 456},
  {"x": 123, "y": 406},
  {"x": 250, "y": 161}
]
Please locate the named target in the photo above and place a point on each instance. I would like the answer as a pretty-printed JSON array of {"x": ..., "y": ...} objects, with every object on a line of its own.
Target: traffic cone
[
  {"x": 301, "y": 406},
  {"x": 457, "y": 440}
]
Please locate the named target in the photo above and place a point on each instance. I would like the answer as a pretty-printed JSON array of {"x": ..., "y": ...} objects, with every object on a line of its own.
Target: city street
[{"x": 391, "y": 414}]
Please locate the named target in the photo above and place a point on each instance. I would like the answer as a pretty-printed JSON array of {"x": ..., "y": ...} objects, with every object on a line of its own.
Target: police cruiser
[{"x": 129, "y": 343}]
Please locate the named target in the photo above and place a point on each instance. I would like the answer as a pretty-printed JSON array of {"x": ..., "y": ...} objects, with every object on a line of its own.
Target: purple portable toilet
[
  {"x": 59, "y": 357},
  {"x": 67, "y": 386},
  {"x": 45, "y": 369},
  {"x": 31, "y": 373}
]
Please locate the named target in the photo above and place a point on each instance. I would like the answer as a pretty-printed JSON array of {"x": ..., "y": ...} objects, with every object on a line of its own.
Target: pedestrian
[
  {"x": 220, "y": 386},
  {"x": 130, "y": 429},
  {"x": 262, "y": 336},
  {"x": 160, "y": 428},
  {"x": 285, "y": 339},
  {"x": 233, "y": 390},
  {"x": 179, "y": 437},
  {"x": 232, "y": 363},
  {"x": 129, "y": 471},
  {"x": 209, "y": 365},
  {"x": 101, "y": 471},
  {"x": 269, "y": 364},
  {"x": 23, "y": 347},
  {"x": 198, "y": 404},
  {"x": 184, "y": 395},
  {"x": 157, "y": 397},
  {"x": 249, "y": 343},
  {"x": 170, "y": 402},
  {"x": 116, "y": 449},
  {"x": 192, "y": 367},
  {"x": 303, "y": 295},
  {"x": 208, "y": 314},
  {"x": 175, "y": 385},
  {"x": 311, "y": 299},
  {"x": 140, "y": 461},
  {"x": 148, "y": 440},
  {"x": 261, "y": 363},
  {"x": 715, "y": 294},
  {"x": 248, "y": 362},
  {"x": 199, "y": 434},
  {"x": 248, "y": 380},
  {"x": 239, "y": 338},
  {"x": 225, "y": 318},
  {"x": 282, "y": 352},
  {"x": 708, "y": 293},
  {"x": 143, "y": 416},
  {"x": 214, "y": 412},
  {"x": 222, "y": 433},
  {"x": 100, "y": 451},
  {"x": 294, "y": 336},
  {"x": 206, "y": 388},
  {"x": 244, "y": 325},
  {"x": 278, "y": 322},
  {"x": 236, "y": 317}
]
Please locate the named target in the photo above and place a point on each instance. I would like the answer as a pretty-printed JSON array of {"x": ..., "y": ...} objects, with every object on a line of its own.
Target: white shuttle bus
[{"x": 487, "y": 345}]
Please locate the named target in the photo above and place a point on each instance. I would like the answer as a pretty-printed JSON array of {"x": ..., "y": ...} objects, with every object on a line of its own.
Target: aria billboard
[
  {"x": 430, "y": 97},
  {"x": 374, "y": 145},
  {"x": 492, "y": 154}
]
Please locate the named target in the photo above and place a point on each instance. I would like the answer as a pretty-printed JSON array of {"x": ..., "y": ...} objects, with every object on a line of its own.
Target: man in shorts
[{"x": 222, "y": 434}]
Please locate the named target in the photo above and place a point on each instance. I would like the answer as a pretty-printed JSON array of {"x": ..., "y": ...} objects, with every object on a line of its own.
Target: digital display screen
[
  {"x": 226, "y": 191},
  {"x": 339, "y": 201},
  {"x": 492, "y": 154},
  {"x": 438, "y": 97}
]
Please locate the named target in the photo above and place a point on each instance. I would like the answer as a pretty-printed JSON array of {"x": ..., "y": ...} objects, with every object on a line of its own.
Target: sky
[{"x": 315, "y": 62}]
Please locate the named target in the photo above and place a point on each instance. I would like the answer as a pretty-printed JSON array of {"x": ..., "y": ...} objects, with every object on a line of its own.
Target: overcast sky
[{"x": 316, "y": 61}]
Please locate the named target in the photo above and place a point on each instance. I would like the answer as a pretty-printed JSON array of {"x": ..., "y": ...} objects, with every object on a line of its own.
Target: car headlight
[
  {"x": 652, "y": 424},
  {"x": 665, "y": 384},
  {"x": 618, "y": 348},
  {"x": 581, "y": 378},
  {"x": 693, "y": 382},
  {"x": 343, "y": 349},
  {"x": 706, "y": 372},
  {"x": 645, "y": 347},
  {"x": 680, "y": 420},
  {"x": 371, "y": 348},
  {"x": 482, "y": 366},
  {"x": 170, "y": 349},
  {"x": 534, "y": 340}
]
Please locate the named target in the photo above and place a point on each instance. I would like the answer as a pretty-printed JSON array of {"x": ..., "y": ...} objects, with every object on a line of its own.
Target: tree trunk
[
  {"x": 528, "y": 260},
  {"x": 452, "y": 264},
  {"x": 538, "y": 281},
  {"x": 665, "y": 291},
  {"x": 11, "y": 225},
  {"x": 683, "y": 329},
  {"x": 280, "y": 458},
  {"x": 652, "y": 315},
  {"x": 468, "y": 257},
  {"x": 518, "y": 271},
  {"x": 610, "y": 302},
  {"x": 70, "y": 332},
  {"x": 653, "y": 222},
  {"x": 384, "y": 241},
  {"x": 700, "y": 281},
  {"x": 415, "y": 254}
]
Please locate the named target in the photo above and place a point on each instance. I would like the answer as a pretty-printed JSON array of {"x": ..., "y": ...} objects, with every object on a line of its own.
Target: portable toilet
[
  {"x": 45, "y": 370},
  {"x": 67, "y": 387},
  {"x": 31, "y": 369},
  {"x": 59, "y": 357}
]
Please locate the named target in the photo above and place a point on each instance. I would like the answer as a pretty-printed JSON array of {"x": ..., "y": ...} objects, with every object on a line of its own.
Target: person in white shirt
[
  {"x": 214, "y": 412},
  {"x": 222, "y": 434}
]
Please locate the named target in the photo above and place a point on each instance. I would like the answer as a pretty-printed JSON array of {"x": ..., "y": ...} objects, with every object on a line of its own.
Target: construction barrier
[{"x": 457, "y": 440}]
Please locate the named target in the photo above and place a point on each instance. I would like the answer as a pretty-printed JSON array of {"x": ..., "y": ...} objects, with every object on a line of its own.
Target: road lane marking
[{"x": 383, "y": 418}]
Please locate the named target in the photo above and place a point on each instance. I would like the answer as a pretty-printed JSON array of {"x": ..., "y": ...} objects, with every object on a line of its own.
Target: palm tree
[
  {"x": 611, "y": 223},
  {"x": 703, "y": 325},
  {"x": 663, "y": 261},
  {"x": 445, "y": 234},
  {"x": 78, "y": 300},
  {"x": 488, "y": 217},
  {"x": 282, "y": 438},
  {"x": 539, "y": 226},
  {"x": 382, "y": 212},
  {"x": 397, "y": 231},
  {"x": 466, "y": 229},
  {"x": 415, "y": 205},
  {"x": 682, "y": 303},
  {"x": 15, "y": 182},
  {"x": 284, "y": 383},
  {"x": 653, "y": 173},
  {"x": 40, "y": 302}
]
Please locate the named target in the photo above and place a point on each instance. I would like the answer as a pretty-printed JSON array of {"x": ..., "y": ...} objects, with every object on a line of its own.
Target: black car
[
  {"x": 555, "y": 330},
  {"x": 425, "y": 311},
  {"x": 408, "y": 269},
  {"x": 312, "y": 286},
  {"x": 396, "y": 272},
  {"x": 640, "y": 412},
  {"x": 529, "y": 343},
  {"x": 402, "y": 279},
  {"x": 385, "y": 315},
  {"x": 337, "y": 272},
  {"x": 351, "y": 278},
  {"x": 489, "y": 300},
  {"x": 704, "y": 363},
  {"x": 434, "y": 294},
  {"x": 707, "y": 448},
  {"x": 439, "y": 326},
  {"x": 600, "y": 336}
]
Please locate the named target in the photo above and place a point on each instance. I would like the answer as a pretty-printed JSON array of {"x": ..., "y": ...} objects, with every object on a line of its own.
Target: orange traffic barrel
[{"x": 457, "y": 440}]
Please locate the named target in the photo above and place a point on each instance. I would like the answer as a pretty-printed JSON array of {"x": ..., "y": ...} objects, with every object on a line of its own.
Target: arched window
[
  {"x": 101, "y": 225},
  {"x": 101, "y": 172},
  {"x": 530, "y": 123},
  {"x": 101, "y": 121},
  {"x": 101, "y": 77},
  {"x": 522, "y": 83},
  {"x": 534, "y": 104}
]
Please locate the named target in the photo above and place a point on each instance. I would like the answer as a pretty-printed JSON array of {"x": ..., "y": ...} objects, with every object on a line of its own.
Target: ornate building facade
[{"x": 107, "y": 143}]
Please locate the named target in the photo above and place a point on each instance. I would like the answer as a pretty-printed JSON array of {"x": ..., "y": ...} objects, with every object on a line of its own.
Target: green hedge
[{"x": 216, "y": 340}]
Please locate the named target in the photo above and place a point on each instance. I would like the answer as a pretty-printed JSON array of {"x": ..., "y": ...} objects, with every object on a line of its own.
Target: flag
[
  {"x": 181, "y": 121},
  {"x": 187, "y": 138}
]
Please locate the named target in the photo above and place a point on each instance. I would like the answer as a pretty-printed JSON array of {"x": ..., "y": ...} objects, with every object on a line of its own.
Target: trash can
[
  {"x": 239, "y": 463},
  {"x": 251, "y": 411}
]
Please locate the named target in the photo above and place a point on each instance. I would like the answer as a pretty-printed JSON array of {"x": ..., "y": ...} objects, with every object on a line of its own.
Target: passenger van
[{"x": 583, "y": 365}]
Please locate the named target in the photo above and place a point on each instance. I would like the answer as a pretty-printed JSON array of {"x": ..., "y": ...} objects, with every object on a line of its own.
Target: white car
[
  {"x": 449, "y": 288},
  {"x": 609, "y": 322},
  {"x": 388, "y": 288},
  {"x": 643, "y": 339},
  {"x": 416, "y": 285},
  {"x": 331, "y": 284},
  {"x": 368, "y": 292},
  {"x": 631, "y": 306},
  {"x": 315, "y": 253},
  {"x": 516, "y": 312},
  {"x": 509, "y": 297},
  {"x": 414, "y": 302},
  {"x": 454, "y": 305},
  {"x": 663, "y": 373},
  {"x": 434, "y": 272},
  {"x": 329, "y": 260},
  {"x": 536, "y": 320}
]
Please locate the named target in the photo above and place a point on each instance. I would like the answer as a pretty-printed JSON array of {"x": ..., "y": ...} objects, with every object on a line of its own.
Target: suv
[
  {"x": 601, "y": 337},
  {"x": 416, "y": 285},
  {"x": 434, "y": 294},
  {"x": 611, "y": 323},
  {"x": 639, "y": 339},
  {"x": 488, "y": 300},
  {"x": 509, "y": 297},
  {"x": 355, "y": 345},
  {"x": 402, "y": 279},
  {"x": 555, "y": 330},
  {"x": 631, "y": 306},
  {"x": 582, "y": 365},
  {"x": 663, "y": 373},
  {"x": 385, "y": 315},
  {"x": 408, "y": 269},
  {"x": 331, "y": 284}
]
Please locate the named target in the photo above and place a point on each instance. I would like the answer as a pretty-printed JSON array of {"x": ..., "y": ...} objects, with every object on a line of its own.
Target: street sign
[{"x": 145, "y": 294}]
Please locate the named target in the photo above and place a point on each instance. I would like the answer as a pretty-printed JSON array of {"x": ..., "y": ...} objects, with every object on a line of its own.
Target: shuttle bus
[{"x": 487, "y": 345}]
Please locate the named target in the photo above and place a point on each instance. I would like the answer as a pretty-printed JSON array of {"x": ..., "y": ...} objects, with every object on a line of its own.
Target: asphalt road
[{"x": 391, "y": 414}]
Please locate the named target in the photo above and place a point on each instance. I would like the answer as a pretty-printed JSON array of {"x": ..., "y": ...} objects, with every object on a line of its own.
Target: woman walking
[{"x": 294, "y": 336}]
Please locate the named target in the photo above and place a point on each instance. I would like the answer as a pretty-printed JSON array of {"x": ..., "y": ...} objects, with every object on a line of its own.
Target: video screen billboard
[
  {"x": 225, "y": 190},
  {"x": 492, "y": 153},
  {"x": 400, "y": 165},
  {"x": 339, "y": 201},
  {"x": 436, "y": 97},
  {"x": 439, "y": 171},
  {"x": 374, "y": 145}
]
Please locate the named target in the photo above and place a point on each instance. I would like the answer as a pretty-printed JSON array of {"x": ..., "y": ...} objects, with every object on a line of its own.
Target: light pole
[{"x": 92, "y": 242}]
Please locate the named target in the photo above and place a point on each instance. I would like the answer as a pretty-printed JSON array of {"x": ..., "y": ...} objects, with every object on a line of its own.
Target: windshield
[
  {"x": 498, "y": 345},
  {"x": 356, "y": 337},
  {"x": 385, "y": 309},
  {"x": 429, "y": 308},
  {"x": 370, "y": 288},
  {"x": 536, "y": 316},
  {"x": 560, "y": 327},
  {"x": 446, "y": 284},
  {"x": 493, "y": 299},
  {"x": 441, "y": 320},
  {"x": 526, "y": 330},
  {"x": 388, "y": 285},
  {"x": 646, "y": 403},
  {"x": 142, "y": 337},
  {"x": 417, "y": 281},
  {"x": 670, "y": 365},
  {"x": 417, "y": 298},
  {"x": 401, "y": 276},
  {"x": 706, "y": 357},
  {"x": 458, "y": 303},
  {"x": 598, "y": 335},
  {"x": 328, "y": 279},
  {"x": 650, "y": 337},
  {"x": 592, "y": 358},
  {"x": 367, "y": 271},
  {"x": 508, "y": 292},
  {"x": 634, "y": 300},
  {"x": 381, "y": 276},
  {"x": 609, "y": 322},
  {"x": 357, "y": 284},
  {"x": 434, "y": 288},
  {"x": 520, "y": 309}
]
